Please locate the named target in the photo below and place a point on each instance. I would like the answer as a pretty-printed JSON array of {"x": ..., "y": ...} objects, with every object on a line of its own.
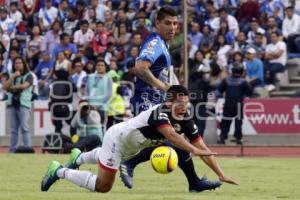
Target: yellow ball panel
[{"x": 164, "y": 159}]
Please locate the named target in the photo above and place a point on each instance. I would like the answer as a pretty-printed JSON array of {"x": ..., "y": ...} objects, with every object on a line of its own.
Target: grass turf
[{"x": 259, "y": 178}]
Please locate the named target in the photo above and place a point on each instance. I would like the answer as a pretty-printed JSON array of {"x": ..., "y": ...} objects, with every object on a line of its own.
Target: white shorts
[
  {"x": 119, "y": 143},
  {"x": 110, "y": 154}
]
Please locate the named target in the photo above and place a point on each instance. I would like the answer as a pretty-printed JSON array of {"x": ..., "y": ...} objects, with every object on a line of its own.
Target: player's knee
[{"x": 102, "y": 187}]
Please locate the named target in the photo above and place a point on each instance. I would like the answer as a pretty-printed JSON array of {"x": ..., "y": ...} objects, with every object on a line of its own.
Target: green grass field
[{"x": 259, "y": 178}]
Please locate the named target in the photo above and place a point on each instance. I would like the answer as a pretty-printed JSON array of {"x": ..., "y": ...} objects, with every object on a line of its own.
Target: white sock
[
  {"x": 81, "y": 178},
  {"x": 91, "y": 157}
]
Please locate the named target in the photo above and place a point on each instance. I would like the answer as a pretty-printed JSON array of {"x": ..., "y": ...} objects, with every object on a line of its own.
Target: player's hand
[
  {"x": 200, "y": 152},
  {"x": 228, "y": 180}
]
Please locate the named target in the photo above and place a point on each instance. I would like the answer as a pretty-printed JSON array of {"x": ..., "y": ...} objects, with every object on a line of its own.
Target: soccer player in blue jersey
[{"x": 152, "y": 71}]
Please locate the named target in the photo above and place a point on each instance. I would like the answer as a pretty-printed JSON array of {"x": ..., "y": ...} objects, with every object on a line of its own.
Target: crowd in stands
[{"x": 73, "y": 35}]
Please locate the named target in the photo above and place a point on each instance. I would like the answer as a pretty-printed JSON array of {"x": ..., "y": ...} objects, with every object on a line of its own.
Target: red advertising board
[{"x": 273, "y": 115}]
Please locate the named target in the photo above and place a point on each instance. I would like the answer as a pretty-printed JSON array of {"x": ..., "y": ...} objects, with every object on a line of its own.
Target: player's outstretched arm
[
  {"x": 213, "y": 163},
  {"x": 169, "y": 133},
  {"x": 143, "y": 72}
]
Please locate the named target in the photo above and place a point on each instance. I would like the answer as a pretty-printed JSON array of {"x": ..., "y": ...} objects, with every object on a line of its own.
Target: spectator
[
  {"x": 65, "y": 46},
  {"x": 195, "y": 35},
  {"x": 70, "y": 24},
  {"x": 19, "y": 87},
  {"x": 83, "y": 36},
  {"x": 122, "y": 37},
  {"x": 62, "y": 12},
  {"x": 63, "y": 63},
  {"x": 254, "y": 28},
  {"x": 254, "y": 69},
  {"x": 13, "y": 54},
  {"x": 136, "y": 39},
  {"x": 222, "y": 52},
  {"x": 207, "y": 40},
  {"x": 200, "y": 87},
  {"x": 291, "y": 30},
  {"x": 33, "y": 46},
  {"x": 80, "y": 6},
  {"x": 241, "y": 43},
  {"x": 116, "y": 107},
  {"x": 51, "y": 38},
  {"x": 259, "y": 45},
  {"x": 272, "y": 27},
  {"x": 28, "y": 8},
  {"x": 15, "y": 14},
  {"x": 100, "y": 39},
  {"x": 47, "y": 15},
  {"x": 276, "y": 58},
  {"x": 90, "y": 15},
  {"x": 4, "y": 40},
  {"x": 88, "y": 128},
  {"x": 141, "y": 27},
  {"x": 79, "y": 74},
  {"x": 6, "y": 23},
  {"x": 224, "y": 30},
  {"x": 44, "y": 71},
  {"x": 98, "y": 89},
  {"x": 109, "y": 22},
  {"x": 232, "y": 23},
  {"x": 249, "y": 10},
  {"x": 122, "y": 19}
]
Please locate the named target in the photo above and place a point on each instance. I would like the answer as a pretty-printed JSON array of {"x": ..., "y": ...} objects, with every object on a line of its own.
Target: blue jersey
[{"x": 154, "y": 50}]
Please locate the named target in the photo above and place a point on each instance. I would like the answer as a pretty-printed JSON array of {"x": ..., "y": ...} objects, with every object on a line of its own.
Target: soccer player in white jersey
[{"x": 127, "y": 138}]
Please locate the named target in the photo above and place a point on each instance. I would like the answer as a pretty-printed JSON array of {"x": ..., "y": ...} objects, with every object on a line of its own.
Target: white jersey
[{"x": 126, "y": 139}]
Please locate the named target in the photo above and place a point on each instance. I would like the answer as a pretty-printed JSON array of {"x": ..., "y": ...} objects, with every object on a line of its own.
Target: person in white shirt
[
  {"x": 14, "y": 13},
  {"x": 291, "y": 30},
  {"x": 276, "y": 56},
  {"x": 6, "y": 23},
  {"x": 232, "y": 22},
  {"x": 84, "y": 35},
  {"x": 255, "y": 28},
  {"x": 47, "y": 15}
]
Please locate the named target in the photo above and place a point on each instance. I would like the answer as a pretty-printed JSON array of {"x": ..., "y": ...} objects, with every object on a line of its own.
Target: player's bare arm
[
  {"x": 212, "y": 163},
  {"x": 143, "y": 72},
  {"x": 169, "y": 133}
]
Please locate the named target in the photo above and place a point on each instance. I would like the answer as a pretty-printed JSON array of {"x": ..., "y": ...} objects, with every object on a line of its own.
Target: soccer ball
[{"x": 164, "y": 159}]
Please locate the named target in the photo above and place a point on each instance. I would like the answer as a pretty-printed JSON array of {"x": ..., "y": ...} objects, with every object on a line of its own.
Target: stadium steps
[
  {"x": 289, "y": 81},
  {"x": 295, "y": 79}
]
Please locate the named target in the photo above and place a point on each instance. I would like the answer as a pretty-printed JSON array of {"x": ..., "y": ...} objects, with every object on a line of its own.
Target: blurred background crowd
[{"x": 75, "y": 35}]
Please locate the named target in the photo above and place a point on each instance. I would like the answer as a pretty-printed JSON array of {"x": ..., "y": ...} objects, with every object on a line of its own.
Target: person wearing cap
[
  {"x": 87, "y": 123},
  {"x": 254, "y": 69},
  {"x": 234, "y": 88}
]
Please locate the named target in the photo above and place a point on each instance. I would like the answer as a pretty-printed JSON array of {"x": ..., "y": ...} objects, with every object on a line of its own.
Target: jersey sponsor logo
[
  {"x": 177, "y": 127},
  {"x": 152, "y": 44},
  {"x": 196, "y": 129},
  {"x": 110, "y": 162},
  {"x": 163, "y": 116}
]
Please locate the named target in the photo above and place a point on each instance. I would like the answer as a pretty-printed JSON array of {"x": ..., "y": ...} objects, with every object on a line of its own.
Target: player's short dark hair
[
  {"x": 176, "y": 91},
  {"x": 165, "y": 11}
]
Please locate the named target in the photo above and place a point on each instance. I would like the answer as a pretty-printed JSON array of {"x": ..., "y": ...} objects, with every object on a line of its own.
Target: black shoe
[
  {"x": 204, "y": 184},
  {"x": 237, "y": 141}
]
